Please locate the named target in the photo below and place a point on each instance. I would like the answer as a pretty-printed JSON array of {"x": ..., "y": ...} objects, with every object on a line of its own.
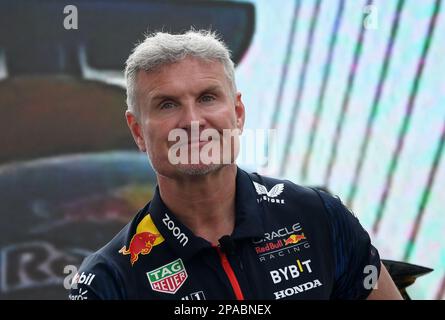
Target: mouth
[
  {"x": 192, "y": 144},
  {"x": 199, "y": 142}
]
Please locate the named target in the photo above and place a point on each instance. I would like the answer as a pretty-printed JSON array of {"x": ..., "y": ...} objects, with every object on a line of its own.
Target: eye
[
  {"x": 167, "y": 105},
  {"x": 207, "y": 98}
]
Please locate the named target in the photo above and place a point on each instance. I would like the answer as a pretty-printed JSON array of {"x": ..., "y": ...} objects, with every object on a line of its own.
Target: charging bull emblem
[
  {"x": 295, "y": 238},
  {"x": 147, "y": 236}
]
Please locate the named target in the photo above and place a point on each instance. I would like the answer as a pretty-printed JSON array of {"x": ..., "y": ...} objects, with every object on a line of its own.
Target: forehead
[{"x": 184, "y": 75}]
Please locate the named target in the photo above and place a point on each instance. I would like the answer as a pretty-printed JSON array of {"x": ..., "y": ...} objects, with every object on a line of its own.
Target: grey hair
[{"x": 161, "y": 48}]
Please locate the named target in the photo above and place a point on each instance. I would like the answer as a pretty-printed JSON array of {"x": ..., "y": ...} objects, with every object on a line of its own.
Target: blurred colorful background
[{"x": 355, "y": 90}]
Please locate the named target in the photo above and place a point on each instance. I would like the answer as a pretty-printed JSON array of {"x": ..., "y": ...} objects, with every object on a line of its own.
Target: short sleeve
[
  {"x": 95, "y": 280},
  {"x": 354, "y": 254}
]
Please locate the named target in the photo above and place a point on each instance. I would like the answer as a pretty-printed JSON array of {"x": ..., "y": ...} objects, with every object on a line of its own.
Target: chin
[{"x": 198, "y": 169}]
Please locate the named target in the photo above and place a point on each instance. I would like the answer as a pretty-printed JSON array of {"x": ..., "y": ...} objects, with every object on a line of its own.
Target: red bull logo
[
  {"x": 141, "y": 243},
  {"x": 293, "y": 239},
  {"x": 147, "y": 236}
]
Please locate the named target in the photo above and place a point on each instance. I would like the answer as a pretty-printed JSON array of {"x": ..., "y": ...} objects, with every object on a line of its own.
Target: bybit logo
[{"x": 290, "y": 272}]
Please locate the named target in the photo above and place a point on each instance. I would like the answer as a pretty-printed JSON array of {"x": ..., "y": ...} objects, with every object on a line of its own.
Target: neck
[{"x": 205, "y": 204}]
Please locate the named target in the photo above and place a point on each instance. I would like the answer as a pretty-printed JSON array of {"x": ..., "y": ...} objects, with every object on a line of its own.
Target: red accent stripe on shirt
[{"x": 230, "y": 274}]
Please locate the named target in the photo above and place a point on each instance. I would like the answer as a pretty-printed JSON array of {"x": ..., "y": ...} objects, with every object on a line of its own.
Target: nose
[{"x": 191, "y": 113}]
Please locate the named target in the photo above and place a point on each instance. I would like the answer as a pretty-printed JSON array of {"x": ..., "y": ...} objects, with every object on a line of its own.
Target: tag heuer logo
[
  {"x": 269, "y": 196},
  {"x": 168, "y": 278}
]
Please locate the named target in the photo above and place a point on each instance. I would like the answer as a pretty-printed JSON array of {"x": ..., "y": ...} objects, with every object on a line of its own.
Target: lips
[
  {"x": 195, "y": 141},
  {"x": 191, "y": 144},
  {"x": 200, "y": 142}
]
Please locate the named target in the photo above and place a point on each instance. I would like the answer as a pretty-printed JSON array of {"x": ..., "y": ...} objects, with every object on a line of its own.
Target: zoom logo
[{"x": 177, "y": 233}]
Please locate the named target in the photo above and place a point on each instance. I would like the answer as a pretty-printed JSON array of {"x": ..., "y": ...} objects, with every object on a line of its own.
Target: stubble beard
[{"x": 199, "y": 169}]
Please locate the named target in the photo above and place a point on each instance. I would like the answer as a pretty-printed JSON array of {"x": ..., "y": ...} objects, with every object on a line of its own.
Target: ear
[
  {"x": 240, "y": 112},
  {"x": 135, "y": 130}
]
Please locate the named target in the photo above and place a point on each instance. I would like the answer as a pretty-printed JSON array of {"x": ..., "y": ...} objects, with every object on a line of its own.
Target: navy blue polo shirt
[{"x": 289, "y": 242}]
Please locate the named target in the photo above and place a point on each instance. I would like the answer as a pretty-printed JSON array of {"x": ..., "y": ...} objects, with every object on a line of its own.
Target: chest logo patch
[
  {"x": 168, "y": 278},
  {"x": 269, "y": 196},
  {"x": 280, "y": 242},
  {"x": 147, "y": 236}
]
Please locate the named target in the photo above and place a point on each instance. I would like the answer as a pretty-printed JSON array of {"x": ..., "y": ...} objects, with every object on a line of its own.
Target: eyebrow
[{"x": 162, "y": 97}]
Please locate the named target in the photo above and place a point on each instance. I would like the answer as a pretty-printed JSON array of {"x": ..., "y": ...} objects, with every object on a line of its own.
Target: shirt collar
[{"x": 248, "y": 219}]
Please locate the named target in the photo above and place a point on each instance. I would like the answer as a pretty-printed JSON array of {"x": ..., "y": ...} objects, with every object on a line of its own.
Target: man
[{"x": 212, "y": 230}]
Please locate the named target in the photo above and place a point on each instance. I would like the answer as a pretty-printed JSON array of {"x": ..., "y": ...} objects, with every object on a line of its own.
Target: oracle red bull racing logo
[
  {"x": 147, "y": 236},
  {"x": 281, "y": 242}
]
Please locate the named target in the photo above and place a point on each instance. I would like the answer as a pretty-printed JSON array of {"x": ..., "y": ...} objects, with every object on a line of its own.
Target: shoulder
[
  {"x": 292, "y": 199},
  {"x": 273, "y": 187},
  {"x": 341, "y": 216},
  {"x": 285, "y": 201},
  {"x": 100, "y": 274}
]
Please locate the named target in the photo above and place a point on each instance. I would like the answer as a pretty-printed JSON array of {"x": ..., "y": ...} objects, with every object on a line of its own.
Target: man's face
[{"x": 190, "y": 94}]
